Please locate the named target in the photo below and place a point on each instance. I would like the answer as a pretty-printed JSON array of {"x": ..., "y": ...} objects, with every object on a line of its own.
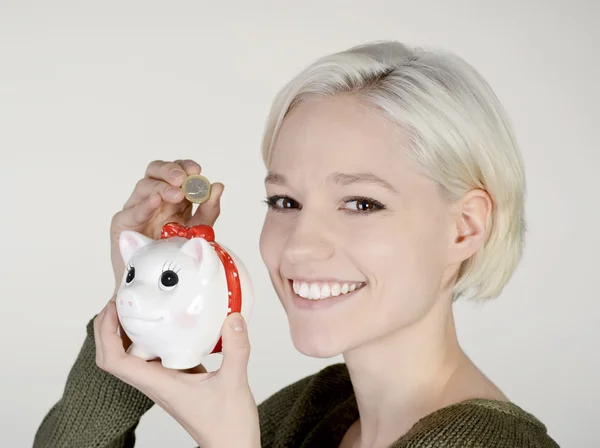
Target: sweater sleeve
[{"x": 96, "y": 409}]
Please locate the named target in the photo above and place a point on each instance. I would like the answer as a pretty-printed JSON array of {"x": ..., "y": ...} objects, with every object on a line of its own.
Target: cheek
[
  {"x": 404, "y": 268},
  {"x": 186, "y": 320},
  {"x": 396, "y": 267},
  {"x": 270, "y": 244},
  {"x": 185, "y": 314}
]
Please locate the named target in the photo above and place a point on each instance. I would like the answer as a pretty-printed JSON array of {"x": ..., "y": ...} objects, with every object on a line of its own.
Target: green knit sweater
[{"x": 98, "y": 410}]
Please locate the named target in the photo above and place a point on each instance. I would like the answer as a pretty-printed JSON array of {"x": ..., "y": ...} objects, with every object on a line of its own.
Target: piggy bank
[{"x": 176, "y": 293}]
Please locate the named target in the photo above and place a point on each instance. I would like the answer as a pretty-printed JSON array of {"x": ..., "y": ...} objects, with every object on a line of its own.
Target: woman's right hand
[{"x": 157, "y": 199}]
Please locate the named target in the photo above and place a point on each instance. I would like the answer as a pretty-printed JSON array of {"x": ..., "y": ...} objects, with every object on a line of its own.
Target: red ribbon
[
  {"x": 175, "y": 229},
  {"x": 234, "y": 289}
]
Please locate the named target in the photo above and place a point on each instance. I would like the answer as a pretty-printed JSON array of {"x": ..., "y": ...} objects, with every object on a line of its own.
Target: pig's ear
[
  {"x": 201, "y": 251},
  {"x": 130, "y": 242}
]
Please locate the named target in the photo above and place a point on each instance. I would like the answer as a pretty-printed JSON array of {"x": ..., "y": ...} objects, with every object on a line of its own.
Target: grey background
[{"x": 91, "y": 92}]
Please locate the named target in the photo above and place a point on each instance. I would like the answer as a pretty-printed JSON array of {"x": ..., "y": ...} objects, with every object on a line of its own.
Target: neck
[{"x": 400, "y": 378}]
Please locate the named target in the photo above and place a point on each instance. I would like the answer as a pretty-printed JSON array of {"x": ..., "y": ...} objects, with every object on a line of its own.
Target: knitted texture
[
  {"x": 318, "y": 410},
  {"x": 97, "y": 410}
]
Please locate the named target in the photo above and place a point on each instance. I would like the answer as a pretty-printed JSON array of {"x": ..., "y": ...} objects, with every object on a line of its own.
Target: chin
[
  {"x": 322, "y": 328},
  {"x": 322, "y": 336},
  {"x": 310, "y": 341}
]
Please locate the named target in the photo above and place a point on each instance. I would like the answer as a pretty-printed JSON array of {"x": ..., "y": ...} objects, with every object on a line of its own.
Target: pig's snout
[
  {"x": 133, "y": 304},
  {"x": 129, "y": 305}
]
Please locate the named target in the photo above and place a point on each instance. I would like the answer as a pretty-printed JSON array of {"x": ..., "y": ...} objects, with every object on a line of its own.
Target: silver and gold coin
[{"x": 196, "y": 188}]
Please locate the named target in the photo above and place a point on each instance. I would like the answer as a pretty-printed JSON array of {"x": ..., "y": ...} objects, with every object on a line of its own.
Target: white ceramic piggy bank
[{"x": 177, "y": 291}]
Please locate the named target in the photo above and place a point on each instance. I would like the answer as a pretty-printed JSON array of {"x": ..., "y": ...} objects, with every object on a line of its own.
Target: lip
[{"x": 319, "y": 304}]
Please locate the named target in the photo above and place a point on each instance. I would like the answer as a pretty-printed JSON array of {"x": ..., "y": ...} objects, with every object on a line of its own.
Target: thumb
[
  {"x": 236, "y": 347},
  {"x": 208, "y": 212}
]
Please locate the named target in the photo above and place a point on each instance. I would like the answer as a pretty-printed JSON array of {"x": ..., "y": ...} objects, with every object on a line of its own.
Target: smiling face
[{"x": 355, "y": 239}]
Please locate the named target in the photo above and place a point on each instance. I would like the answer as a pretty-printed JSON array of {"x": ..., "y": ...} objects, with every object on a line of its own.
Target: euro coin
[{"x": 196, "y": 188}]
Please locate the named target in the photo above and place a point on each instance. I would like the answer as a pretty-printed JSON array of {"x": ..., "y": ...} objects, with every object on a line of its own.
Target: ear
[
  {"x": 204, "y": 254},
  {"x": 473, "y": 221},
  {"x": 130, "y": 242}
]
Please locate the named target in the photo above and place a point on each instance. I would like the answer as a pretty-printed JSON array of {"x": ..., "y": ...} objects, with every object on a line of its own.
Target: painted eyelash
[
  {"x": 272, "y": 200},
  {"x": 169, "y": 268}
]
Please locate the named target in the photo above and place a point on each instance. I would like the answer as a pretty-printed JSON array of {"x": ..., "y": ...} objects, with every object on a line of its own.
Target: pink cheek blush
[{"x": 186, "y": 320}]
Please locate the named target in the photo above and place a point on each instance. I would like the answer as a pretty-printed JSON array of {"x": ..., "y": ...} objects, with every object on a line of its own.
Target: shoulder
[
  {"x": 299, "y": 405},
  {"x": 480, "y": 422}
]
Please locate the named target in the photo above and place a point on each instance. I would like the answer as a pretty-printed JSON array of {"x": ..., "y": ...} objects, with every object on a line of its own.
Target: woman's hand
[
  {"x": 216, "y": 408},
  {"x": 157, "y": 199}
]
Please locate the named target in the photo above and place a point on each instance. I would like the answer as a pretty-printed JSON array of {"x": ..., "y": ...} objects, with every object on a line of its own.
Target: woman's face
[{"x": 347, "y": 212}]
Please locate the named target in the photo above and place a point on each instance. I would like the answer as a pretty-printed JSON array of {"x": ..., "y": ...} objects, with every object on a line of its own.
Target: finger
[
  {"x": 198, "y": 369},
  {"x": 137, "y": 215},
  {"x": 172, "y": 172},
  {"x": 159, "y": 177},
  {"x": 208, "y": 212},
  {"x": 189, "y": 166},
  {"x": 108, "y": 332},
  {"x": 97, "y": 339},
  {"x": 236, "y": 348},
  {"x": 146, "y": 187},
  {"x": 124, "y": 337}
]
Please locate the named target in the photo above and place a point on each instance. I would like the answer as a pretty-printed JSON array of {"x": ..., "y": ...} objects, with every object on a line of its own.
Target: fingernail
[
  {"x": 175, "y": 174},
  {"x": 191, "y": 166},
  {"x": 236, "y": 323},
  {"x": 174, "y": 192}
]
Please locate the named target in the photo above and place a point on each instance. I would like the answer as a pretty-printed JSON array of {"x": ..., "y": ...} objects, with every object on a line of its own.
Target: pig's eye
[
  {"x": 130, "y": 275},
  {"x": 168, "y": 279}
]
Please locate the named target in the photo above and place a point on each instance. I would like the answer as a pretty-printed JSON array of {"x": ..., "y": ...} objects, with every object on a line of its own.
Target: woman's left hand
[{"x": 216, "y": 408}]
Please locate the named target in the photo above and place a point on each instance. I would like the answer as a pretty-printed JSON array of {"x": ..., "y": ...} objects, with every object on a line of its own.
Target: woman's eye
[
  {"x": 284, "y": 203},
  {"x": 355, "y": 205},
  {"x": 362, "y": 205},
  {"x": 281, "y": 203}
]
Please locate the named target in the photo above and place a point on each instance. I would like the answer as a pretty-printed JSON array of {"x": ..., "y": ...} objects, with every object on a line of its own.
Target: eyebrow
[{"x": 340, "y": 179}]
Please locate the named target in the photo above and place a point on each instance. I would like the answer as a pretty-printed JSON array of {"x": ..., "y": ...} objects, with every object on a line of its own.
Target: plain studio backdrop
[{"x": 91, "y": 92}]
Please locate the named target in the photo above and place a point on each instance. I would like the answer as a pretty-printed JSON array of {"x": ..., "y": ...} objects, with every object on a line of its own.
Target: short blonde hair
[{"x": 460, "y": 136}]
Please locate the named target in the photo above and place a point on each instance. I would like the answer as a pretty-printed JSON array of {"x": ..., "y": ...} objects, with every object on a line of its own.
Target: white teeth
[
  {"x": 317, "y": 291},
  {"x": 314, "y": 291},
  {"x": 303, "y": 290}
]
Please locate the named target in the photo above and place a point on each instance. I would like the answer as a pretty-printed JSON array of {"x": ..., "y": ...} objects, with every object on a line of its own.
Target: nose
[
  {"x": 309, "y": 240},
  {"x": 129, "y": 303}
]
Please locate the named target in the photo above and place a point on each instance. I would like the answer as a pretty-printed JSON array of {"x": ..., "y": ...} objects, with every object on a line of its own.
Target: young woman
[{"x": 394, "y": 187}]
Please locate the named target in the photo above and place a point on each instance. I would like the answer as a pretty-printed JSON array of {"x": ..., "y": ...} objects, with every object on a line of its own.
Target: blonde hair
[{"x": 460, "y": 136}]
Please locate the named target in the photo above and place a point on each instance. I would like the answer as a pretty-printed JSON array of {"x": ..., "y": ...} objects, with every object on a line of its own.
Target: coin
[{"x": 196, "y": 188}]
